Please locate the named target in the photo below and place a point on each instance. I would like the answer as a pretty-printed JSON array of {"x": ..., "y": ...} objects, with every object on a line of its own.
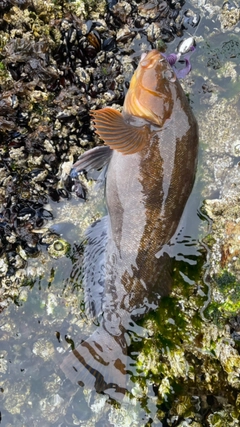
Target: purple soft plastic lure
[{"x": 173, "y": 58}]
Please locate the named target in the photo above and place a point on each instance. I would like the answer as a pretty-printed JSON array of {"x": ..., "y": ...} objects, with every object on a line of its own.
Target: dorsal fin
[{"x": 117, "y": 133}]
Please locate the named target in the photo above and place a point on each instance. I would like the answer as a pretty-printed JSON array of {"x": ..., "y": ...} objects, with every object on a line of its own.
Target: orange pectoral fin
[{"x": 117, "y": 133}]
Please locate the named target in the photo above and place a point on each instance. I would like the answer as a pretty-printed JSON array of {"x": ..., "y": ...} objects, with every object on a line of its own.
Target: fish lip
[
  {"x": 149, "y": 63},
  {"x": 143, "y": 55}
]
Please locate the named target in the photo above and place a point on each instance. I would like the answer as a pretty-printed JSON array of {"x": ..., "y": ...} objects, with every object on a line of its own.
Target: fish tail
[{"x": 98, "y": 363}]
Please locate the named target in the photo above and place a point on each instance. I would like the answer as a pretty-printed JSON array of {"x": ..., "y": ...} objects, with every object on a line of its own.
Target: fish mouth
[
  {"x": 144, "y": 54},
  {"x": 149, "y": 59}
]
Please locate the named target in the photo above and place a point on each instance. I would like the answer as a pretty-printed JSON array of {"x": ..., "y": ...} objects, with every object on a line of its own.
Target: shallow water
[
  {"x": 175, "y": 374},
  {"x": 33, "y": 336}
]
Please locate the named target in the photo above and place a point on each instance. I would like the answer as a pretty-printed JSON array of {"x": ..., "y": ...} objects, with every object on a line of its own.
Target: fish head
[
  {"x": 149, "y": 103},
  {"x": 150, "y": 95}
]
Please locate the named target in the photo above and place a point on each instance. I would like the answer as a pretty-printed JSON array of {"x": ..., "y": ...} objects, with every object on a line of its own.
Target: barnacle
[{"x": 58, "y": 248}]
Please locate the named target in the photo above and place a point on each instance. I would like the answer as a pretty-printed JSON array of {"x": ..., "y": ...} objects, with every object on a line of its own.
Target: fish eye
[{"x": 169, "y": 75}]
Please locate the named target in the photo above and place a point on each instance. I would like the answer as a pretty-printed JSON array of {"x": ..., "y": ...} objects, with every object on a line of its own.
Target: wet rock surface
[{"x": 58, "y": 61}]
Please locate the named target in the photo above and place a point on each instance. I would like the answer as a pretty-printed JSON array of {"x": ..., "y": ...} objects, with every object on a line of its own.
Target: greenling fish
[{"x": 149, "y": 163}]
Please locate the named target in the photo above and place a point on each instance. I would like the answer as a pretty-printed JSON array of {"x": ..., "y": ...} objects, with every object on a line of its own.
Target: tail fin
[{"x": 99, "y": 363}]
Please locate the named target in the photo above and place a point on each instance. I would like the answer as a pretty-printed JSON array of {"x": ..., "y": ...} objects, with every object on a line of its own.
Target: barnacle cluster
[{"x": 230, "y": 14}]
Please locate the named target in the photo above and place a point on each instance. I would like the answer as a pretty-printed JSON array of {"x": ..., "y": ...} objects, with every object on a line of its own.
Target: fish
[{"x": 147, "y": 166}]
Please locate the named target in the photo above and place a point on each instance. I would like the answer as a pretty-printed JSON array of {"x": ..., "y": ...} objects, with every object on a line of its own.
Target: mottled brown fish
[{"x": 149, "y": 165}]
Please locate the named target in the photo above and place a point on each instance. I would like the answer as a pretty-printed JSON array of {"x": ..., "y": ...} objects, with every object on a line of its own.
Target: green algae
[
  {"x": 226, "y": 297},
  {"x": 226, "y": 50},
  {"x": 181, "y": 355},
  {"x": 225, "y": 281},
  {"x": 222, "y": 64},
  {"x": 228, "y": 417},
  {"x": 172, "y": 329}
]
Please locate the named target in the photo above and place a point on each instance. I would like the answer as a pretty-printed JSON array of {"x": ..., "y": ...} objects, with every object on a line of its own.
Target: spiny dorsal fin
[{"x": 119, "y": 134}]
